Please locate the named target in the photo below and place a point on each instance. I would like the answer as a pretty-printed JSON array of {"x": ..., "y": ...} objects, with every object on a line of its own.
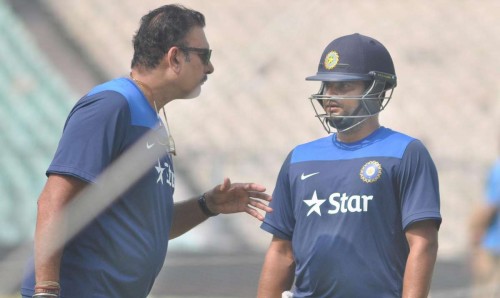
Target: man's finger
[
  {"x": 254, "y": 187},
  {"x": 260, "y": 195},
  {"x": 225, "y": 184},
  {"x": 254, "y": 213},
  {"x": 260, "y": 205}
]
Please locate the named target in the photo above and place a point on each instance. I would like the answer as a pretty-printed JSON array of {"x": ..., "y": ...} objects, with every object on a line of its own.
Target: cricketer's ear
[{"x": 173, "y": 59}]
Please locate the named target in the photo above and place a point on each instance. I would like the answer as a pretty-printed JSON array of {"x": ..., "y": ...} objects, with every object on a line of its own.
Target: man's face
[
  {"x": 195, "y": 67},
  {"x": 342, "y": 107}
]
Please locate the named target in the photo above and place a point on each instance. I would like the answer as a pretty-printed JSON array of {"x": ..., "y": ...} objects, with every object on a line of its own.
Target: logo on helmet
[
  {"x": 331, "y": 60},
  {"x": 371, "y": 171}
]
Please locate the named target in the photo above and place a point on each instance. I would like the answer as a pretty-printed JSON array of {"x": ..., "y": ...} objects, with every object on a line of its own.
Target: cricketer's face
[
  {"x": 196, "y": 67},
  {"x": 344, "y": 93}
]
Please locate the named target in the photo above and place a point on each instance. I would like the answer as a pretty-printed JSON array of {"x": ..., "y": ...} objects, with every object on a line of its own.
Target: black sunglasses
[{"x": 204, "y": 54}]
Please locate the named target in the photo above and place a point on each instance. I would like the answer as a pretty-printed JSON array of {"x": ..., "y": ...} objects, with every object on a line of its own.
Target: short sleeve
[
  {"x": 281, "y": 221},
  {"x": 418, "y": 185},
  {"x": 92, "y": 137}
]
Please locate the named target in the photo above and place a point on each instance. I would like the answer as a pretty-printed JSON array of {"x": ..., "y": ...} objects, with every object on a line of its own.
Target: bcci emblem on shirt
[{"x": 371, "y": 171}]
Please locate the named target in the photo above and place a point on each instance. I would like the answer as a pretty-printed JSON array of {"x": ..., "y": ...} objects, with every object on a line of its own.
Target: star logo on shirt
[
  {"x": 160, "y": 170},
  {"x": 314, "y": 203}
]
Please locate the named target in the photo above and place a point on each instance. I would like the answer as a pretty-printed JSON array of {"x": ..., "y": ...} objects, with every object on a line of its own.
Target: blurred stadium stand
[
  {"x": 254, "y": 108},
  {"x": 34, "y": 102}
]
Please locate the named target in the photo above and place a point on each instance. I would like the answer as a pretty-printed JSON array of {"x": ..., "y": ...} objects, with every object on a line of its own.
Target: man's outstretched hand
[{"x": 238, "y": 197}]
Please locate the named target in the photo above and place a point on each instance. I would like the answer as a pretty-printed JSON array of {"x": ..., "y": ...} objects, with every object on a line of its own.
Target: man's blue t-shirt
[
  {"x": 120, "y": 253},
  {"x": 491, "y": 240},
  {"x": 345, "y": 208}
]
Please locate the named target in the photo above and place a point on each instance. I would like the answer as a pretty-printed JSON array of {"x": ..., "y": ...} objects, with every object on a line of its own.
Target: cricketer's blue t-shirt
[
  {"x": 491, "y": 240},
  {"x": 120, "y": 253},
  {"x": 345, "y": 208}
]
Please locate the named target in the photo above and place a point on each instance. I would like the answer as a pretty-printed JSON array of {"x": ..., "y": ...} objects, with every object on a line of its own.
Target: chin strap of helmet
[{"x": 346, "y": 123}]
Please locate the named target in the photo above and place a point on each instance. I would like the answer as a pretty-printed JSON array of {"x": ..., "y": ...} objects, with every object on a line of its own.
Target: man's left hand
[{"x": 238, "y": 197}]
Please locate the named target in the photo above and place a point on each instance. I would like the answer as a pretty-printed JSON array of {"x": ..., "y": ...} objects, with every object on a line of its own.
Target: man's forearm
[
  {"x": 187, "y": 215},
  {"x": 277, "y": 274},
  {"x": 58, "y": 191},
  {"x": 418, "y": 272},
  {"x": 47, "y": 257},
  {"x": 274, "y": 280}
]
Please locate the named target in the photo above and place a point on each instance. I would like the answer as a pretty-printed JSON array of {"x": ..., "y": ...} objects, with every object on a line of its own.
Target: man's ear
[{"x": 172, "y": 58}]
